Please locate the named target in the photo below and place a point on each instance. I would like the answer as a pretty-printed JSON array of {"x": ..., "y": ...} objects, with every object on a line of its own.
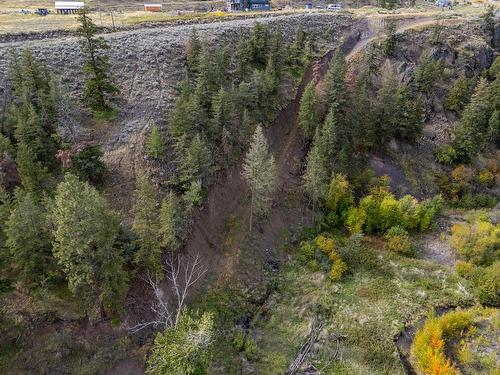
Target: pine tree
[
  {"x": 146, "y": 226},
  {"x": 361, "y": 115},
  {"x": 316, "y": 174},
  {"x": 427, "y": 72},
  {"x": 299, "y": 44},
  {"x": 28, "y": 238},
  {"x": 34, "y": 176},
  {"x": 460, "y": 93},
  {"x": 89, "y": 166},
  {"x": 220, "y": 113},
  {"x": 328, "y": 142},
  {"x": 99, "y": 84},
  {"x": 32, "y": 115},
  {"x": 473, "y": 131},
  {"x": 389, "y": 44},
  {"x": 193, "y": 196},
  {"x": 193, "y": 52},
  {"x": 494, "y": 123},
  {"x": 258, "y": 45},
  {"x": 5, "y": 208},
  {"x": 33, "y": 84},
  {"x": 335, "y": 94},
  {"x": 488, "y": 23},
  {"x": 260, "y": 172},
  {"x": 156, "y": 144},
  {"x": 187, "y": 115},
  {"x": 171, "y": 222},
  {"x": 85, "y": 230},
  {"x": 243, "y": 57},
  {"x": 309, "y": 51},
  {"x": 194, "y": 161},
  {"x": 387, "y": 110},
  {"x": 308, "y": 116}
]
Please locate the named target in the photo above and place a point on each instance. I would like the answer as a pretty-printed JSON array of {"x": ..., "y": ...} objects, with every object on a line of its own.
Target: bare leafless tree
[{"x": 182, "y": 273}]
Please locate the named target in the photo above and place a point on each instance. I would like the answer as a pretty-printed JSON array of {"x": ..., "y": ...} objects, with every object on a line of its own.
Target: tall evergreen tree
[
  {"x": 146, "y": 226},
  {"x": 5, "y": 208},
  {"x": 473, "y": 131},
  {"x": 335, "y": 95},
  {"x": 308, "y": 116},
  {"x": 171, "y": 222},
  {"x": 32, "y": 115},
  {"x": 99, "y": 85},
  {"x": 258, "y": 45},
  {"x": 28, "y": 237},
  {"x": 259, "y": 170},
  {"x": 156, "y": 144},
  {"x": 34, "y": 176},
  {"x": 361, "y": 114},
  {"x": 488, "y": 24},
  {"x": 389, "y": 44},
  {"x": 194, "y": 161},
  {"x": 187, "y": 115},
  {"x": 460, "y": 93},
  {"x": 85, "y": 230},
  {"x": 193, "y": 52},
  {"x": 316, "y": 174},
  {"x": 387, "y": 109}
]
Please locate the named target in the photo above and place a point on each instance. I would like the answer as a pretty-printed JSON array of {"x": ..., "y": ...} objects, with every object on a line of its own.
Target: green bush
[
  {"x": 307, "y": 250},
  {"x": 380, "y": 210},
  {"x": 339, "y": 196},
  {"x": 487, "y": 285},
  {"x": 183, "y": 349},
  {"x": 398, "y": 240},
  {"x": 446, "y": 154},
  {"x": 471, "y": 201},
  {"x": 239, "y": 341},
  {"x": 477, "y": 240},
  {"x": 485, "y": 281},
  {"x": 486, "y": 178}
]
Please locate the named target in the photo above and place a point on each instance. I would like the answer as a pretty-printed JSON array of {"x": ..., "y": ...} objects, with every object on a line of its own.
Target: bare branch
[{"x": 181, "y": 273}]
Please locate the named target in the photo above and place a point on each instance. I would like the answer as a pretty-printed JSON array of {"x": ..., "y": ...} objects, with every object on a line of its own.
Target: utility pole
[{"x": 113, "y": 20}]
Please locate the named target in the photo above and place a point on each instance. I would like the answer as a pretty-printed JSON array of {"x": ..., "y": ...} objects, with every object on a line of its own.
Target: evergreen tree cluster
[
  {"x": 361, "y": 116},
  {"x": 55, "y": 225},
  {"x": 479, "y": 126},
  {"x": 160, "y": 227},
  {"x": 224, "y": 94}
]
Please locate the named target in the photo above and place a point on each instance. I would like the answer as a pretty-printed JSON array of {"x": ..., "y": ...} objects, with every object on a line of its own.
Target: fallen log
[{"x": 305, "y": 349}]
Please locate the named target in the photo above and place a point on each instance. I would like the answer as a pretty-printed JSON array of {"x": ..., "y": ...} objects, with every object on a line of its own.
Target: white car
[{"x": 334, "y": 7}]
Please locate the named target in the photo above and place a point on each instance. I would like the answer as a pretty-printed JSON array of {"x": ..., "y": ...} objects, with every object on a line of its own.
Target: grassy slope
[{"x": 370, "y": 306}]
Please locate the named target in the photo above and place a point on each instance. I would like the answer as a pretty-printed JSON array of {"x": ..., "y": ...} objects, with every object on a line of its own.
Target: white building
[{"x": 68, "y": 7}]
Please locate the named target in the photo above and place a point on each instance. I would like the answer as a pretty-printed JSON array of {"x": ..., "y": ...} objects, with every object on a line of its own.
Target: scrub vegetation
[{"x": 301, "y": 207}]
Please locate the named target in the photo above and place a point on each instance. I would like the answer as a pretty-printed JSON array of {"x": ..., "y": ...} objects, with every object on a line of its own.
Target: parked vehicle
[
  {"x": 42, "y": 11},
  {"x": 334, "y": 7}
]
